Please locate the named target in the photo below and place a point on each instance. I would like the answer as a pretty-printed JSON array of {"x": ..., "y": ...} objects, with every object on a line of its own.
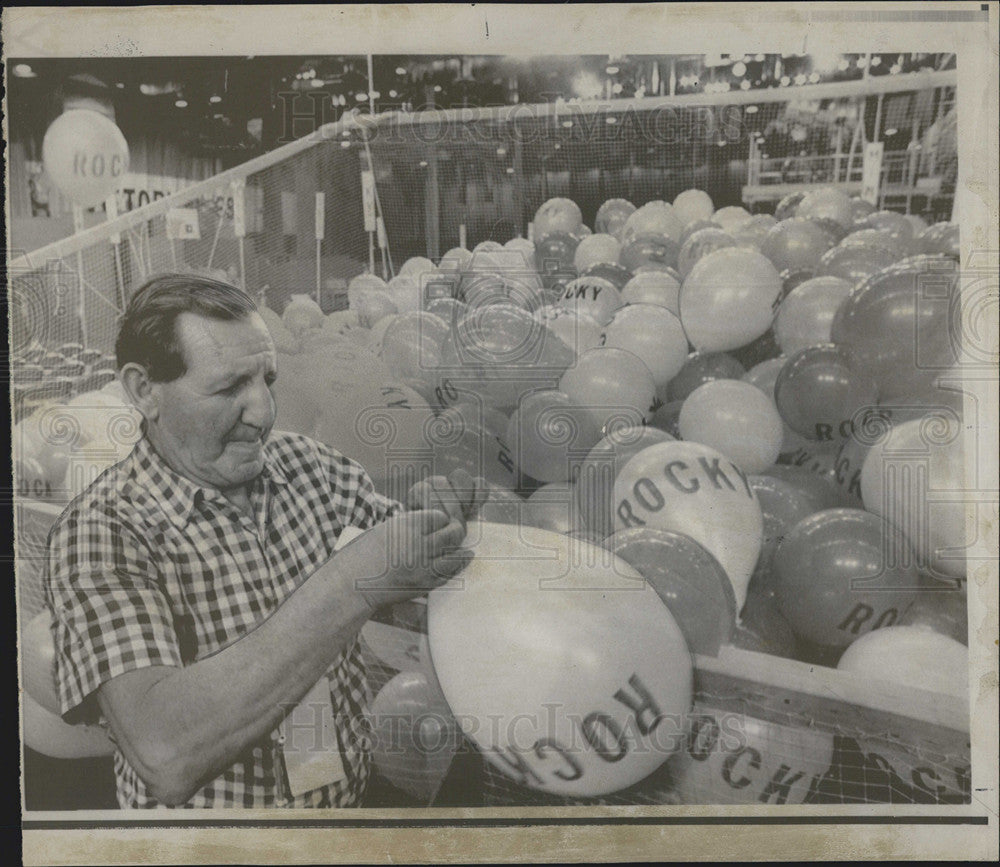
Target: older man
[{"x": 198, "y": 598}]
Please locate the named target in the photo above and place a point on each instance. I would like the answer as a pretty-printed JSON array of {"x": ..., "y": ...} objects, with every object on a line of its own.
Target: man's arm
[{"x": 181, "y": 727}]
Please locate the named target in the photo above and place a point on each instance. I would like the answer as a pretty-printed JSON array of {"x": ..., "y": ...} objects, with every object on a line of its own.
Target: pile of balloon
[{"x": 707, "y": 415}]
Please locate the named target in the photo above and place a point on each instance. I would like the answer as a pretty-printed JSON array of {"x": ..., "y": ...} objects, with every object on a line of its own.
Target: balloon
[
  {"x": 411, "y": 344},
  {"x": 640, "y": 251},
  {"x": 702, "y": 367},
  {"x": 854, "y": 263},
  {"x": 762, "y": 628},
  {"x": 456, "y": 259},
  {"x": 459, "y": 442},
  {"x": 693, "y": 489},
  {"x": 612, "y": 216},
  {"x": 940, "y": 239},
  {"x": 595, "y": 249},
  {"x": 414, "y": 735},
  {"x": 372, "y": 306},
  {"x": 696, "y": 226},
  {"x": 416, "y": 266},
  {"x": 897, "y": 226},
  {"x": 652, "y": 333},
  {"x": 897, "y": 324},
  {"x": 795, "y": 245},
  {"x": 38, "y": 656},
  {"x": 652, "y": 219},
  {"x": 617, "y": 275},
  {"x": 522, "y": 245},
  {"x": 667, "y": 418},
  {"x": 554, "y": 253},
  {"x": 719, "y": 766},
  {"x": 687, "y": 578},
  {"x": 814, "y": 470},
  {"x": 820, "y": 393},
  {"x": 787, "y": 207},
  {"x": 763, "y": 348},
  {"x": 806, "y": 314},
  {"x": 731, "y": 217},
  {"x": 860, "y": 210},
  {"x": 301, "y": 314},
  {"x": 595, "y": 296},
  {"x": 534, "y": 662},
  {"x": 502, "y": 506},
  {"x": 46, "y": 733},
  {"x": 736, "y": 419},
  {"x": 917, "y": 658},
  {"x": 552, "y": 507},
  {"x": 941, "y": 609},
  {"x": 692, "y": 205},
  {"x": 557, "y": 215},
  {"x": 382, "y": 427},
  {"x": 700, "y": 244},
  {"x": 914, "y": 477},
  {"x": 594, "y": 485},
  {"x": 85, "y": 155},
  {"x": 550, "y": 435},
  {"x": 614, "y": 385},
  {"x": 654, "y": 287},
  {"x": 448, "y": 310},
  {"x": 827, "y": 203},
  {"x": 406, "y": 292},
  {"x": 753, "y": 232},
  {"x": 579, "y": 331},
  {"x": 841, "y": 573},
  {"x": 875, "y": 238},
  {"x": 727, "y": 299}
]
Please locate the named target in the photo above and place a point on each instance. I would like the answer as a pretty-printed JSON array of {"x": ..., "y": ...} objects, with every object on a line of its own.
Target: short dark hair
[{"x": 147, "y": 332}]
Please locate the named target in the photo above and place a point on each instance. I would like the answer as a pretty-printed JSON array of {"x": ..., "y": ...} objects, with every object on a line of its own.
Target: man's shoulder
[{"x": 109, "y": 498}]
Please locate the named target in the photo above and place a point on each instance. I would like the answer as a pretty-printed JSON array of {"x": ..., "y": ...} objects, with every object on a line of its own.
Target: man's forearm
[{"x": 180, "y": 728}]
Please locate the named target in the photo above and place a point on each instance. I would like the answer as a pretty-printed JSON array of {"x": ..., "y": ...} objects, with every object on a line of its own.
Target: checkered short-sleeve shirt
[{"x": 147, "y": 568}]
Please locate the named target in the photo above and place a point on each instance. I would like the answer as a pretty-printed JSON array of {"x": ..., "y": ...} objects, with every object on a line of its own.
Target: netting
[{"x": 297, "y": 222}]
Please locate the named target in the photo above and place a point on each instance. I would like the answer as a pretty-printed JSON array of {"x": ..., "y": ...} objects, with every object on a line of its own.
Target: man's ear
[{"x": 141, "y": 390}]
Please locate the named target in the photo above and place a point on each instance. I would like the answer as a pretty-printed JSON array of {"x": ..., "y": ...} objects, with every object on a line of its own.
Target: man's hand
[
  {"x": 459, "y": 495},
  {"x": 404, "y": 556}
]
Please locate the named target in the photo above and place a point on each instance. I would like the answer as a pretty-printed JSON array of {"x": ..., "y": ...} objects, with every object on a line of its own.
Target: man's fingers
[
  {"x": 451, "y": 563},
  {"x": 445, "y": 539}
]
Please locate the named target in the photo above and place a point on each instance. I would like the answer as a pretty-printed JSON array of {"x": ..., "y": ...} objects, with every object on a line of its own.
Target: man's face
[{"x": 212, "y": 422}]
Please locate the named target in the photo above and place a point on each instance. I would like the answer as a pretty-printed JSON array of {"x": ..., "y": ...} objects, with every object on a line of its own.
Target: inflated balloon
[
  {"x": 753, "y": 232},
  {"x": 595, "y": 249},
  {"x": 412, "y": 342},
  {"x": 820, "y": 391},
  {"x": 727, "y": 299},
  {"x": 595, "y": 481},
  {"x": 583, "y": 231},
  {"x": 653, "y": 287},
  {"x": 502, "y": 506},
  {"x": 910, "y": 478},
  {"x": 654, "y": 334},
  {"x": 918, "y": 224},
  {"x": 787, "y": 207},
  {"x": 551, "y": 435},
  {"x": 736, "y": 419},
  {"x": 854, "y": 263},
  {"x": 617, "y": 275},
  {"x": 522, "y": 245},
  {"x": 652, "y": 219},
  {"x": 700, "y": 244},
  {"x": 897, "y": 227},
  {"x": 693, "y": 489},
  {"x": 552, "y": 507},
  {"x": 416, "y": 266},
  {"x": 702, "y": 367},
  {"x": 763, "y": 348},
  {"x": 613, "y": 384},
  {"x": 841, "y": 573},
  {"x": 718, "y": 767},
  {"x": 867, "y": 237},
  {"x": 667, "y": 417},
  {"x": 458, "y": 442},
  {"x": 448, "y": 310},
  {"x": 372, "y": 305},
  {"x": 85, "y": 155},
  {"x": 556, "y": 215},
  {"x": 38, "y": 655},
  {"x": 301, "y": 314},
  {"x": 46, "y": 733},
  {"x": 414, "y": 736},
  {"x": 640, "y": 251},
  {"x": 593, "y": 296},
  {"x": 687, "y": 578},
  {"x": 860, "y": 210},
  {"x": 534, "y": 662},
  {"x": 762, "y": 628},
  {"x": 940, "y": 239},
  {"x": 917, "y": 658},
  {"x": 942, "y": 609},
  {"x": 827, "y": 203},
  {"x": 406, "y": 292},
  {"x": 456, "y": 259},
  {"x": 806, "y": 313},
  {"x": 489, "y": 245},
  {"x": 693, "y": 205},
  {"x": 612, "y": 216},
  {"x": 554, "y": 253},
  {"x": 795, "y": 244},
  {"x": 579, "y": 331},
  {"x": 897, "y": 324},
  {"x": 731, "y": 217},
  {"x": 696, "y": 226},
  {"x": 370, "y": 421}
]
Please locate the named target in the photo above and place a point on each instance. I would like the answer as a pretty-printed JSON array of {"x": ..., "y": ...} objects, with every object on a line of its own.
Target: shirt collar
[{"x": 177, "y": 495}]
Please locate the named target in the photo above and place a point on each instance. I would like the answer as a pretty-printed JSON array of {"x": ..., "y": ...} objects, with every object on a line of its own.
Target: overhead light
[
  {"x": 567, "y": 123},
  {"x": 556, "y": 146},
  {"x": 760, "y": 58},
  {"x": 423, "y": 164},
  {"x": 215, "y": 98},
  {"x": 612, "y": 70},
  {"x": 393, "y": 94},
  {"x": 611, "y": 120},
  {"x": 181, "y": 103},
  {"x": 616, "y": 87},
  {"x": 376, "y": 94},
  {"x": 501, "y": 152},
  {"x": 844, "y": 64},
  {"x": 739, "y": 69},
  {"x": 800, "y": 78},
  {"x": 317, "y": 82},
  {"x": 510, "y": 170},
  {"x": 751, "y": 109},
  {"x": 23, "y": 70},
  {"x": 400, "y": 70},
  {"x": 744, "y": 85},
  {"x": 891, "y": 131},
  {"x": 785, "y": 81},
  {"x": 861, "y": 62},
  {"x": 437, "y": 88},
  {"x": 876, "y": 61},
  {"x": 120, "y": 85},
  {"x": 814, "y": 77},
  {"x": 894, "y": 68},
  {"x": 345, "y": 144},
  {"x": 361, "y": 97},
  {"x": 147, "y": 89}
]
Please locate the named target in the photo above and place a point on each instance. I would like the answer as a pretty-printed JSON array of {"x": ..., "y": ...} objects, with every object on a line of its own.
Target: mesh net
[{"x": 461, "y": 178}]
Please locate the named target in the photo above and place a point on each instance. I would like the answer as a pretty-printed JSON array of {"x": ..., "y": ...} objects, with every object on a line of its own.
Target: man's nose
[{"x": 259, "y": 409}]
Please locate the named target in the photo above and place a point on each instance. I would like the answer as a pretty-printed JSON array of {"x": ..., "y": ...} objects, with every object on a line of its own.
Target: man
[{"x": 196, "y": 592}]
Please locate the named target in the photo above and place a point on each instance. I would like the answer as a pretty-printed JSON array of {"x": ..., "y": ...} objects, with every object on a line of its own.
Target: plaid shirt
[{"x": 148, "y": 568}]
